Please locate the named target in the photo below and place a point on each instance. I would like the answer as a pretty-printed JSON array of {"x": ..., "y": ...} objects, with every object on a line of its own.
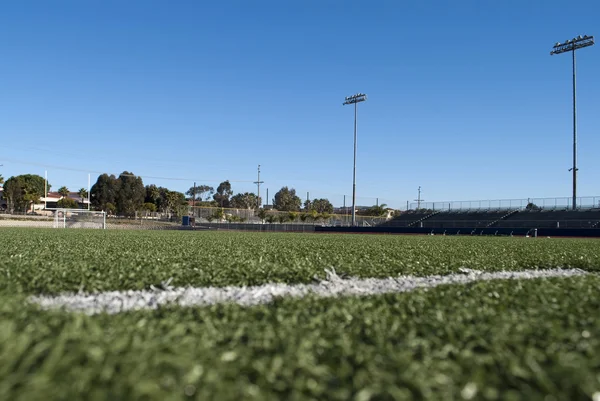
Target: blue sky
[{"x": 463, "y": 97}]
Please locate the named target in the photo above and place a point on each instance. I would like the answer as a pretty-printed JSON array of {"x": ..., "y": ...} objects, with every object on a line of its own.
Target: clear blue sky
[{"x": 464, "y": 98}]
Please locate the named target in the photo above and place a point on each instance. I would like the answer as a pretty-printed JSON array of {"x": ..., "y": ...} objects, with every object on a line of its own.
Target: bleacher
[
  {"x": 585, "y": 218},
  {"x": 462, "y": 218},
  {"x": 408, "y": 219},
  {"x": 498, "y": 218}
]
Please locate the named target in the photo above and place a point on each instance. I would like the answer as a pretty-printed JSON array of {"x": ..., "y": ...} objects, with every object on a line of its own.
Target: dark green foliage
[
  {"x": 67, "y": 203},
  {"x": 126, "y": 193},
  {"x": 320, "y": 206},
  {"x": 149, "y": 207},
  {"x": 63, "y": 191},
  {"x": 223, "y": 194},
  {"x": 197, "y": 192},
  {"x": 83, "y": 193},
  {"x": 375, "y": 210},
  {"x": 247, "y": 200},
  {"x": 23, "y": 190},
  {"x": 286, "y": 200},
  {"x": 104, "y": 192},
  {"x": 131, "y": 194},
  {"x": 262, "y": 213}
]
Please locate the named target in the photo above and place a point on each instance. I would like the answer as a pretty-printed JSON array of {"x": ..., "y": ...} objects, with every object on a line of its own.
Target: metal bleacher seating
[
  {"x": 498, "y": 218},
  {"x": 585, "y": 218}
]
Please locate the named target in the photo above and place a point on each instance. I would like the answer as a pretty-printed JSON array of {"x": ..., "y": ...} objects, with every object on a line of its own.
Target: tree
[
  {"x": 377, "y": 210},
  {"x": 321, "y": 206},
  {"x": 131, "y": 194},
  {"x": 104, "y": 191},
  {"x": 325, "y": 216},
  {"x": 83, "y": 193},
  {"x": 23, "y": 190},
  {"x": 223, "y": 193},
  {"x": 219, "y": 214},
  {"x": 196, "y": 193},
  {"x": 152, "y": 194},
  {"x": 63, "y": 191},
  {"x": 286, "y": 200},
  {"x": 149, "y": 207},
  {"x": 307, "y": 205},
  {"x": 247, "y": 200},
  {"x": 1, "y": 179},
  {"x": 67, "y": 203},
  {"x": 262, "y": 214},
  {"x": 111, "y": 209},
  {"x": 293, "y": 216},
  {"x": 177, "y": 203},
  {"x": 205, "y": 189}
]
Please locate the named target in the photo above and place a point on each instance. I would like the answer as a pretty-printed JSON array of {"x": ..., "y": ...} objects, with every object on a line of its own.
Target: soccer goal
[{"x": 76, "y": 218}]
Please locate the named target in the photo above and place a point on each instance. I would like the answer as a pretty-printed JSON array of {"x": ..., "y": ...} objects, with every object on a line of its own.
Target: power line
[{"x": 126, "y": 175}]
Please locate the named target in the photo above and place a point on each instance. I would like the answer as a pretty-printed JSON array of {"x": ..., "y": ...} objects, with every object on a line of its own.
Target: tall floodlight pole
[
  {"x": 354, "y": 99},
  {"x": 419, "y": 200},
  {"x": 570, "y": 46},
  {"x": 89, "y": 189},
  {"x": 258, "y": 182},
  {"x": 45, "y": 189}
]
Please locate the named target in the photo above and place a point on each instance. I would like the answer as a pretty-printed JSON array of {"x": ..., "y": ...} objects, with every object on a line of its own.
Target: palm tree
[
  {"x": 63, "y": 191},
  {"x": 83, "y": 193}
]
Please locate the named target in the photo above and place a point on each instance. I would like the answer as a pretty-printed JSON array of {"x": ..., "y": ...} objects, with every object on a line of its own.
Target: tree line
[{"x": 126, "y": 194}]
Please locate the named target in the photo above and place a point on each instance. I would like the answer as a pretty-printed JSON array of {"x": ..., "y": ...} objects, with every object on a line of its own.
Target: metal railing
[{"x": 561, "y": 203}]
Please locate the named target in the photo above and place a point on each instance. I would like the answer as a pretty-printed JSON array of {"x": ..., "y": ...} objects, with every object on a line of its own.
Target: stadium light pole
[
  {"x": 570, "y": 46},
  {"x": 354, "y": 99}
]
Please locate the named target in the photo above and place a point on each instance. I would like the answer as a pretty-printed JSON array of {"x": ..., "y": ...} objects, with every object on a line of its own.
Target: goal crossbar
[{"x": 79, "y": 218}]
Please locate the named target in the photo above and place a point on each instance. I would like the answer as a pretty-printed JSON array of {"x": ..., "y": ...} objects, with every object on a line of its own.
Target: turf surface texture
[{"x": 496, "y": 340}]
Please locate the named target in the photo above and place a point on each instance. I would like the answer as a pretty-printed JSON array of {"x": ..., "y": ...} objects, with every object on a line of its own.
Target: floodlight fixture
[
  {"x": 359, "y": 97},
  {"x": 571, "y": 45},
  {"x": 354, "y": 99}
]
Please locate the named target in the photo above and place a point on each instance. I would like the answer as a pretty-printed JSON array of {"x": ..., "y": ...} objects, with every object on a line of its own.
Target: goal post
[{"x": 79, "y": 218}]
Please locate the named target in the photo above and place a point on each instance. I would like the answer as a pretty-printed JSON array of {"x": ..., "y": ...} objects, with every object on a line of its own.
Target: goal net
[{"x": 76, "y": 218}]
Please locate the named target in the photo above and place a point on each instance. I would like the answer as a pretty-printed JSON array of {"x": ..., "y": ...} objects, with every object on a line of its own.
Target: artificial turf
[
  {"x": 498, "y": 340},
  {"x": 52, "y": 261}
]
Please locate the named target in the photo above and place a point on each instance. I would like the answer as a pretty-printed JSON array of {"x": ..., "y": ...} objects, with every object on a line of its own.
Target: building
[{"x": 51, "y": 201}]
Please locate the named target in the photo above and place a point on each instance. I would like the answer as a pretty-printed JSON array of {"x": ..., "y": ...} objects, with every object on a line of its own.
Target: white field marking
[{"x": 333, "y": 286}]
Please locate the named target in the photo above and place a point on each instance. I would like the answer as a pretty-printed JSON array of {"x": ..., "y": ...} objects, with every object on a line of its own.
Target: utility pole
[
  {"x": 354, "y": 99},
  {"x": 258, "y": 182},
  {"x": 419, "y": 200},
  {"x": 194, "y": 199},
  {"x": 570, "y": 46}
]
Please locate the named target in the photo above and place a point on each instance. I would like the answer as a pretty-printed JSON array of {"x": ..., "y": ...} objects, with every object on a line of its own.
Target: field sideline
[{"x": 536, "y": 339}]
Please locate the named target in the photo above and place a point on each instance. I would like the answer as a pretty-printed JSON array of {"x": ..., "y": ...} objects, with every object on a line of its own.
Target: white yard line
[{"x": 121, "y": 301}]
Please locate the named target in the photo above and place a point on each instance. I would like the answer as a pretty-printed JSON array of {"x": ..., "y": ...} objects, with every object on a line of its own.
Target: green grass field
[{"x": 496, "y": 340}]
